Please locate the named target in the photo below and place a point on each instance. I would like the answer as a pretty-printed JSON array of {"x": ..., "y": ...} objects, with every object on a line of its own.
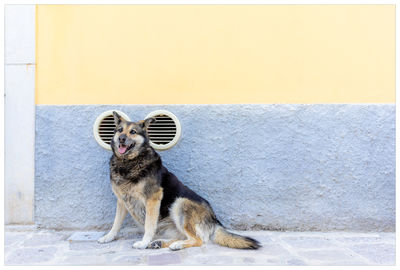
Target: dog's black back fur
[{"x": 173, "y": 188}]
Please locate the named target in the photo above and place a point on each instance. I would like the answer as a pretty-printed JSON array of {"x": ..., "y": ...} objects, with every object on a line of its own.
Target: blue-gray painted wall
[{"x": 280, "y": 167}]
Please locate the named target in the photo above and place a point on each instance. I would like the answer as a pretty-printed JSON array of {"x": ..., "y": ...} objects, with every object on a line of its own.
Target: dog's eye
[
  {"x": 133, "y": 131},
  {"x": 120, "y": 129}
]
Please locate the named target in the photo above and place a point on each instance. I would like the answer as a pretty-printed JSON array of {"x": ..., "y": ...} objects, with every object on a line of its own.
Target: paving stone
[
  {"x": 262, "y": 259},
  {"x": 84, "y": 260},
  {"x": 329, "y": 256},
  {"x": 271, "y": 249},
  {"x": 346, "y": 263},
  {"x": 164, "y": 259},
  {"x": 381, "y": 253},
  {"x": 205, "y": 249},
  {"x": 388, "y": 238},
  {"x": 11, "y": 238},
  {"x": 85, "y": 236},
  {"x": 295, "y": 261},
  {"x": 31, "y": 255},
  {"x": 216, "y": 260},
  {"x": 127, "y": 260},
  {"x": 44, "y": 239},
  {"x": 248, "y": 260},
  {"x": 309, "y": 242},
  {"x": 92, "y": 245},
  {"x": 194, "y": 251},
  {"x": 362, "y": 239}
]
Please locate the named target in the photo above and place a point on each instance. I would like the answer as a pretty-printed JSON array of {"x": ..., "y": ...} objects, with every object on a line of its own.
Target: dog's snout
[{"x": 122, "y": 138}]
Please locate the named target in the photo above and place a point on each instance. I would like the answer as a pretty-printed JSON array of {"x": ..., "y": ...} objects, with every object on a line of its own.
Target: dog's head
[{"x": 129, "y": 137}]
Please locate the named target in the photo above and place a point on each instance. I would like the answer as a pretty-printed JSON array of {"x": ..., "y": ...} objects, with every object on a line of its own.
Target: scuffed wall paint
[
  {"x": 19, "y": 113},
  {"x": 278, "y": 167}
]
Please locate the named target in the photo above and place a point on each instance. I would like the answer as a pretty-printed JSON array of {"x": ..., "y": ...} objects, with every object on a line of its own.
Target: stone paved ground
[{"x": 26, "y": 245}]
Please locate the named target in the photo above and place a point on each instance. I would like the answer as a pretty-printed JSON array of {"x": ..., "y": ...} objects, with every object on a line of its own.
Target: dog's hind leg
[
  {"x": 119, "y": 218},
  {"x": 193, "y": 240},
  {"x": 187, "y": 216}
]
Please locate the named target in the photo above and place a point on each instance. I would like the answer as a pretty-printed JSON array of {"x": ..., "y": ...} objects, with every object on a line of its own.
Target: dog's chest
[{"x": 133, "y": 197}]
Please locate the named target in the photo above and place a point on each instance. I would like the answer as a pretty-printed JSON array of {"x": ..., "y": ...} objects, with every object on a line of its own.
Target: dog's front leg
[
  {"x": 119, "y": 218},
  {"x": 150, "y": 223}
]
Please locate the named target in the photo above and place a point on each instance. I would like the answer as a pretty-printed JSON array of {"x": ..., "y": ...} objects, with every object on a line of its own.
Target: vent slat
[
  {"x": 161, "y": 131},
  {"x": 150, "y": 128},
  {"x": 163, "y": 124},
  {"x": 161, "y": 134},
  {"x": 158, "y": 133}
]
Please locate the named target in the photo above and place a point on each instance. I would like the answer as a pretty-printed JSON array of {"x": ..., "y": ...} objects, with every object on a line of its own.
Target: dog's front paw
[
  {"x": 140, "y": 244},
  {"x": 107, "y": 238}
]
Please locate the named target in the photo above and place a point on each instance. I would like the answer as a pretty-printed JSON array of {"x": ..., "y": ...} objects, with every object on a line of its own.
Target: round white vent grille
[
  {"x": 103, "y": 128},
  {"x": 165, "y": 131}
]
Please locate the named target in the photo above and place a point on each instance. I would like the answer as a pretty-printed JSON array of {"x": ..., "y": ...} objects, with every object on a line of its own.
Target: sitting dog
[{"x": 157, "y": 200}]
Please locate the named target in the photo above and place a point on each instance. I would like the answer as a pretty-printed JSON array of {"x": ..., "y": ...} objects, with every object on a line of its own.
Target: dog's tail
[{"x": 227, "y": 239}]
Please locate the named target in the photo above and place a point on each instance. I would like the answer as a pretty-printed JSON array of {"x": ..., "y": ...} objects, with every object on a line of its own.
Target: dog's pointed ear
[
  {"x": 146, "y": 123},
  {"x": 117, "y": 118}
]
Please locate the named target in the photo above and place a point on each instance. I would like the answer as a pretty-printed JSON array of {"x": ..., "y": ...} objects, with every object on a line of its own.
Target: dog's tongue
[{"x": 122, "y": 149}]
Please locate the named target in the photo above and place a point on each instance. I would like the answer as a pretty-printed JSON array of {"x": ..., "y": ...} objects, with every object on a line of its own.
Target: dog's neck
[{"x": 135, "y": 168}]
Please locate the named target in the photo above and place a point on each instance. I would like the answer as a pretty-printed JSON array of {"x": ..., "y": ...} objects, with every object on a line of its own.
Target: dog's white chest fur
[{"x": 133, "y": 198}]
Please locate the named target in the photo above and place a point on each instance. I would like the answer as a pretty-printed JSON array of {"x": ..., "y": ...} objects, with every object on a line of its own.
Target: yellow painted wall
[{"x": 176, "y": 54}]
